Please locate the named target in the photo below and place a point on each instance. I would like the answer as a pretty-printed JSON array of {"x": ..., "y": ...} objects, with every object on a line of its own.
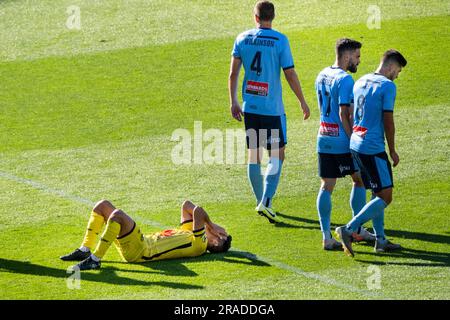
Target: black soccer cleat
[
  {"x": 88, "y": 264},
  {"x": 77, "y": 255}
]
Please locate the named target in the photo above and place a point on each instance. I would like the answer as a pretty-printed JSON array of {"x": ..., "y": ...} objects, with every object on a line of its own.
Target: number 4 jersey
[
  {"x": 334, "y": 88},
  {"x": 374, "y": 95},
  {"x": 264, "y": 52}
]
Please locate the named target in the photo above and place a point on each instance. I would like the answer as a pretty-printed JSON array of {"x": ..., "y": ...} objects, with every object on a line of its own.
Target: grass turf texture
[{"x": 94, "y": 119}]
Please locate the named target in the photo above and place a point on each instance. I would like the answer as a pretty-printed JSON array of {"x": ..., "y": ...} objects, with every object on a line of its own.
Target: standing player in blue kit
[
  {"x": 374, "y": 120},
  {"x": 263, "y": 52},
  {"x": 334, "y": 88}
]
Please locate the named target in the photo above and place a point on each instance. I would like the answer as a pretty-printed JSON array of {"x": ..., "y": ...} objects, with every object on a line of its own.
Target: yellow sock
[
  {"x": 109, "y": 235},
  {"x": 94, "y": 227}
]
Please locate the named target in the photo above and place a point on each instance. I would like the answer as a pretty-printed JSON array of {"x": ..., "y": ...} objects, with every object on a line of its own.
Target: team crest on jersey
[
  {"x": 329, "y": 129},
  {"x": 257, "y": 88}
]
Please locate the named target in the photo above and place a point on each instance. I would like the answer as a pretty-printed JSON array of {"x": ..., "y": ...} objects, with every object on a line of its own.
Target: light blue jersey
[
  {"x": 374, "y": 94},
  {"x": 334, "y": 88},
  {"x": 264, "y": 52}
]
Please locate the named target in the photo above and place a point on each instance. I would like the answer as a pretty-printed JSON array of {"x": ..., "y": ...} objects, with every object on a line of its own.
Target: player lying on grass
[{"x": 196, "y": 234}]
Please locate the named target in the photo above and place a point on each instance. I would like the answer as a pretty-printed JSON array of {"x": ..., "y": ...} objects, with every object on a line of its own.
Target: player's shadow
[
  {"x": 175, "y": 267},
  {"x": 430, "y": 258},
  {"x": 105, "y": 275},
  {"x": 233, "y": 256},
  {"x": 428, "y": 237},
  {"x": 299, "y": 219}
]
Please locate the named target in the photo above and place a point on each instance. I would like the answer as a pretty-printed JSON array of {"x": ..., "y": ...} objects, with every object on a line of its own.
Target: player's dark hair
[
  {"x": 346, "y": 44},
  {"x": 224, "y": 247},
  {"x": 265, "y": 10},
  {"x": 393, "y": 55}
]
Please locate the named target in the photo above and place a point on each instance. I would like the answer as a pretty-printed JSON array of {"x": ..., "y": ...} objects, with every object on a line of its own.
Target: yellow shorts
[
  {"x": 167, "y": 244},
  {"x": 132, "y": 245}
]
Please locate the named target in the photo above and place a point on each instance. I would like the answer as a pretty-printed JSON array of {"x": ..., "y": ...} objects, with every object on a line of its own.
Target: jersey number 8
[{"x": 360, "y": 107}]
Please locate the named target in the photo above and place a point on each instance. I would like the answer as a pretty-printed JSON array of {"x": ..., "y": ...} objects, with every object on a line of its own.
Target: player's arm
[
  {"x": 190, "y": 211},
  {"x": 389, "y": 130},
  {"x": 294, "y": 83},
  {"x": 233, "y": 79},
  {"x": 345, "y": 114},
  {"x": 202, "y": 220},
  {"x": 389, "y": 94},
  {"x": 345, "y": 88},
  {"x": 187, "y": 208}
]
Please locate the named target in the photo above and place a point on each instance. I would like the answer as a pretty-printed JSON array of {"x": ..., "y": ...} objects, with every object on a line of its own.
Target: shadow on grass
[
  {"x": 436, "y": 259},
  {"x": 421, "y": 236},
  {"x": 299, "y": 219},
  {"x": 175, "y": 266},
  {"x": 104, "y": 275}
]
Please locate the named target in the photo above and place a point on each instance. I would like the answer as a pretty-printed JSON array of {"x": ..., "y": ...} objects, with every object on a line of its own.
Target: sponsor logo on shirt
[
  {"x": 168, "y": 233},
  {"x": 257, "y": 88},
  {"x": 329, "y": 129},
  {"x": 360, "y": 131}
]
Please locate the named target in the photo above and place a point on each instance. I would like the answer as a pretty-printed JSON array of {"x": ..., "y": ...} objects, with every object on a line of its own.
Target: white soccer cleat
[{"x": 269, "y": 213}]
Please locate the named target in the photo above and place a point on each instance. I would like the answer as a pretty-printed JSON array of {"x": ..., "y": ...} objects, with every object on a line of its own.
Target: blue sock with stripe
[
  {"x": 271, "y": 179},
  {"x": 357, "y": 199},
  {"x": 378, "y": 225},
  {"x": 324, "y": 209},
  {"x": 370, "y": 211},
  {"x": 256, "y": 180}
]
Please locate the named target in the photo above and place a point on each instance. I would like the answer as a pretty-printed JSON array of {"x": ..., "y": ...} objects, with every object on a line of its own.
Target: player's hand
[
  {"x": 305, "y": 109},
  {"x": 395, "y": 158},
  {"x": 216, "y": 230},
  {"x": 236, "y": 111}
]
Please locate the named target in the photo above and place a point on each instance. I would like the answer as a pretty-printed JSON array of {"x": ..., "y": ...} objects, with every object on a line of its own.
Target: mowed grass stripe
[
  {"x": 152, "y": 223},
  {"x": 33, "y": 32},
  {"x": 57, "y": 103}
]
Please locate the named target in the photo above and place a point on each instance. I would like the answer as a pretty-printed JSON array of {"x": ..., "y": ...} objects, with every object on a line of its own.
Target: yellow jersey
[{"x": 168, "y": 244}]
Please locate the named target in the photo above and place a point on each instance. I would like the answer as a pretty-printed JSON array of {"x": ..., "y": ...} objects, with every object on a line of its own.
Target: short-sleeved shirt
[
  {"x": 334, "y": 89},
  {"x": 168, "y": 244},
  {"x": 264, "y": 52},
  {"x": 374, "y": 95}
]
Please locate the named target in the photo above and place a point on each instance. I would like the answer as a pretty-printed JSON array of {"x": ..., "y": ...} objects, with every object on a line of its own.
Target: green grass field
[{"x": 88, "y": 114}]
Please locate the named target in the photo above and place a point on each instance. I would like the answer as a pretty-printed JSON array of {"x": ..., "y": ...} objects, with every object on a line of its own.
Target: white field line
[{"x": 272, "y": 262}]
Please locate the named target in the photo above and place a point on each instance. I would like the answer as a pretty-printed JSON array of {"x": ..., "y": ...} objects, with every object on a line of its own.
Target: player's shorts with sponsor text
[
  {"x": 376, "y": 170},
  {"x": 264, "y": 131},
  {"x": 336, "y": 165}
]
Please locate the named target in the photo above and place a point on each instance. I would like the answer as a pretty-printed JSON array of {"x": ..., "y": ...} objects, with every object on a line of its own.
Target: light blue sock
[
  {"x": 357, "y": 199},
  {"x": 370, "y": 210},
  {"x": 324, "y": 209},
  {"x": 271, "y": 179},
  {"x": 256, "y": 180},
  {"x": 378, "y": 225}
]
